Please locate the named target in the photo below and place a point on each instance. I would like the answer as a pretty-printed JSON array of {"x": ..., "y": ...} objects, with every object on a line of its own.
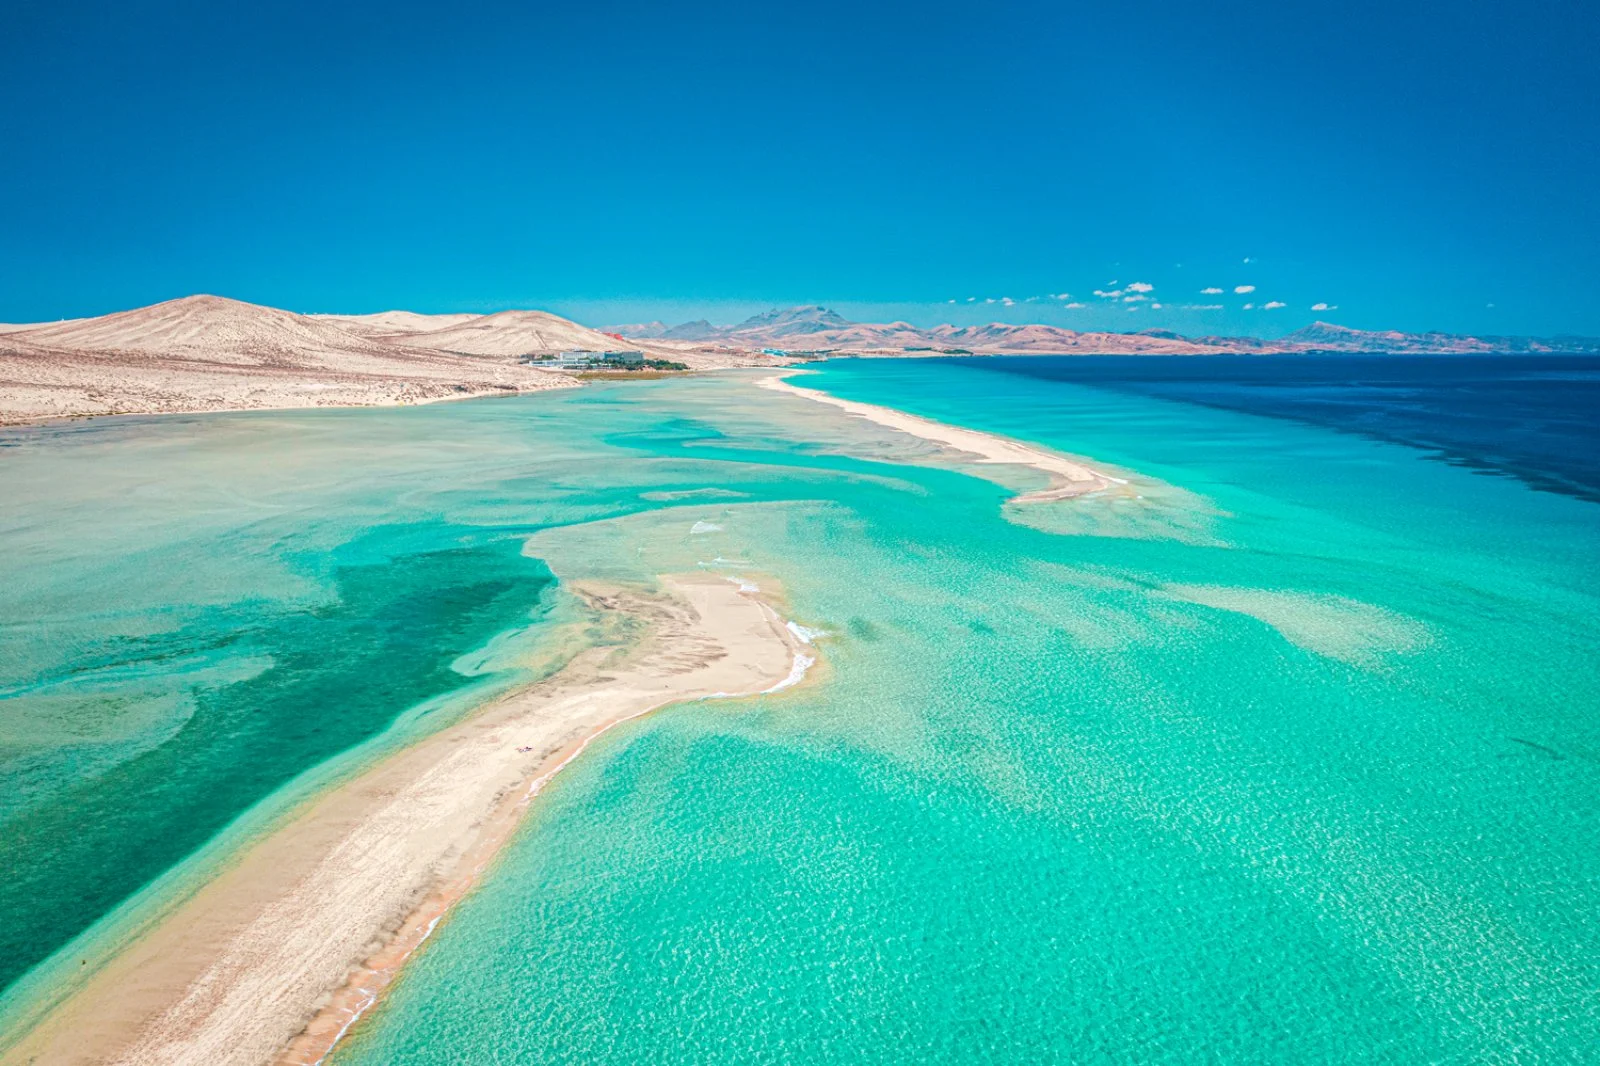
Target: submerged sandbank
[
  {"x": 1068, "y": 477},
  {"x": 282, "y": 952}
]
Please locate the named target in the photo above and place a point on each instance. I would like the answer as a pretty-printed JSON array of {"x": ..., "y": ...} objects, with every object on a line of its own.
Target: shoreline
[
  {"x": 280, "y": 955},
  {"x": 1068, "y": 478},
  {"x": 48, "y": 421}
]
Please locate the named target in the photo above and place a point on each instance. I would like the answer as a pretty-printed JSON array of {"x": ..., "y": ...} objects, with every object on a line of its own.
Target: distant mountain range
[
  {"x": 817, "y": 329},
  {"x": 207, "y": 353}
]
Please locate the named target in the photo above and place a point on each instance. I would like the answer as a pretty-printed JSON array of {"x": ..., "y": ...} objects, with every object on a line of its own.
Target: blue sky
[{"x": 1412, "y": 166}]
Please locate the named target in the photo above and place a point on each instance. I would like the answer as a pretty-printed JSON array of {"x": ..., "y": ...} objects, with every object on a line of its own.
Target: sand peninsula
[
  {"x": 1068, "y": 478},
  {"x": 280, "y": 954}
]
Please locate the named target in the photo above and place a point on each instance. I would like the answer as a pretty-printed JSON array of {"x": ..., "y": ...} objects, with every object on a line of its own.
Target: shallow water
[{"x": 1290, "y": 758}]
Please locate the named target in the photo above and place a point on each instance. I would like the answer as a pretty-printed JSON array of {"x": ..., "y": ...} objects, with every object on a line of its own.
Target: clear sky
[{"x": 1421, "y": 165}]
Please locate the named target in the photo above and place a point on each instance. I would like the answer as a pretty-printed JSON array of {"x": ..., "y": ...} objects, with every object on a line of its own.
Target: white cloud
[
  {"x": 1247, "y": 259},
  {"x": 1273, "y": 305},
  {"x": 1061, "y": 296},
  {"x": 1140, "y": 286},
  {"x": 1155, "y": 307},
  {"x": 1490, "y": 306},
  {"x": 988, "y": 299},
  {"x": 1202, "y": 307},
  {"x": 1135, "y": 307},
  {"x": 1242, "y": 289},
  {"x": 1212, "y": 291},
  {"x": 1111, "y": 284},
  {"x": 1249, "y": 307},
  {"x": 1008, "y": 301},
  {"x": 1076, "y": 306},
  {"x": 1108, "y": 295},
  {"x": 1137, "y": 297},
  {"x": 1320, "y": 307},
  {"x": 971, "y": 298}
]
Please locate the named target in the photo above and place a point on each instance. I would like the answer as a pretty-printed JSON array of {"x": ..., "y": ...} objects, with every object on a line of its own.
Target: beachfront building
[{"x": 577, "y": 359}]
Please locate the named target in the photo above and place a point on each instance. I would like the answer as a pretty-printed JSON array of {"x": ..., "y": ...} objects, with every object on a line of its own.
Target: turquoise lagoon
[{"x": 1288, "y": 755}]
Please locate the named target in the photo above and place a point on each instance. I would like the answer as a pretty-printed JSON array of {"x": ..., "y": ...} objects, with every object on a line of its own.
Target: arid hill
[
  {"x": 209, "y": 328},
  {"x": 207, "y": 353},
  {"x": 389, "y": 322},
  {"x": 1037, "y": 339},
  {"x": 509, "y": 334},
  {"x": 817, "y": 329}
]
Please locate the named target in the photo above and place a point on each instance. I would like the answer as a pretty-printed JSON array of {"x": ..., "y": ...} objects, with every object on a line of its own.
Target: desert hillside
[
  {"x": 390, "y": 322},
  {"x": 509, "y": 334},
  {"x": 207, "y": 353}
]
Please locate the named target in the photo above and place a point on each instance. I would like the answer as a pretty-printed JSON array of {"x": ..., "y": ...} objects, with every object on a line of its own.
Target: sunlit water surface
[{"x": 1288, "y": 755}]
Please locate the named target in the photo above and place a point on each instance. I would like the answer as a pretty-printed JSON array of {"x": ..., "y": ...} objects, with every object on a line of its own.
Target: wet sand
[
  {"x": 1068, "y": 477},
  {"x": 275, "y": 958}
]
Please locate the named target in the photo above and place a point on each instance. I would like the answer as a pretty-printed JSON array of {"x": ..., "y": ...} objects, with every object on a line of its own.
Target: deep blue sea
[{"x": 1536, "y": 418}]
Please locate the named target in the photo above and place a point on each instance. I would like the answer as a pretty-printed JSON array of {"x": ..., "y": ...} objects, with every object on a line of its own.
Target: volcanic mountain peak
[
  {"x": 1319, "y": 332},
  {"x": 698, "y": 330},
  {"x": 810, "y": 318},
  {"x": 1343, "y": 338}
]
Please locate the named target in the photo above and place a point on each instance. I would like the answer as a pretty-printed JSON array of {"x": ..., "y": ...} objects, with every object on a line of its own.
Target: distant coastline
[
  {"x": 818, "y": 331},
  {"x": 208, "y": 353}
]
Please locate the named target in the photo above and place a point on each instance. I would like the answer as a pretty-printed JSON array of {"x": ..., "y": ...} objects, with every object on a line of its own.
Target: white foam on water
[
  {"x": 703, "y": 526},
  {"x": 797, "y": 671},
  {"x": 805, "y": 634},
  {"x": 368, "y": 1000}
]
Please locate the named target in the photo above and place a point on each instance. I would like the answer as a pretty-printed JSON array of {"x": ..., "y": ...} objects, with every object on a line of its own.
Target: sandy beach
[
  {"x": 278, "y": 956},
  {"x": 1068, "y": 478}
]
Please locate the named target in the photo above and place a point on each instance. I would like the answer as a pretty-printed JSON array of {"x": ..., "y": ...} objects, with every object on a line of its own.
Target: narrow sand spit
[
  {"x": 1067, "y": 478},
  {"x": 276, "y": 958}
]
